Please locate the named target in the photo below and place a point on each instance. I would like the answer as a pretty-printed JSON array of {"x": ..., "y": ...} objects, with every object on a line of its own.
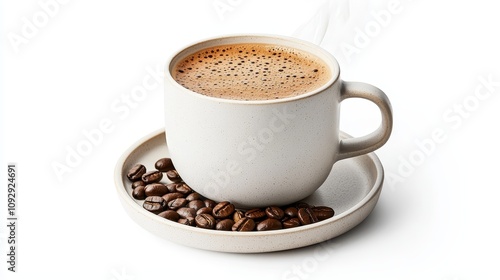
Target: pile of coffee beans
[{"x": 177, "y": 202}]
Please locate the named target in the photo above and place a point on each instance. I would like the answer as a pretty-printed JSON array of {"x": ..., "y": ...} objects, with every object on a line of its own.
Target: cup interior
[{"x": 284, "y": 41}]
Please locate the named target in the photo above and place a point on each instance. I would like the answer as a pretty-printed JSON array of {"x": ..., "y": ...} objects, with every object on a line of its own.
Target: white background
[{"x": 437, "y": 217}]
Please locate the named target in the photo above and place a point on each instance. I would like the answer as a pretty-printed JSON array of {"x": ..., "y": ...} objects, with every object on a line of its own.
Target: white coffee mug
[{"x": 264, "y": 152}]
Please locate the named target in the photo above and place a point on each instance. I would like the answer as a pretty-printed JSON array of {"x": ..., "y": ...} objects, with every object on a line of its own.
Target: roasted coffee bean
[
  {"x": 135, "y": 173},
  {"x": 275, "y": 212},
  {"x": 171, "y": 196},
  {"x": 307, "y": 216},
  {"x": 269, "y": 224},
  {"x": 152, "y": 176},
  {"x": 238, "y": 214},
  {"x": 177, "y": 203},
  {"x": 173, "y": 176},
  {"x": 223, "y": 210},
  {"x": 183, "y": 188},
  {"x": 195, "y": 196},
  {"x": 302, "y": 204},
  {"x": 225, "y": 224},
  {"x": 209, "y": 203},
  {"x": 244, "y": 224},
  {"x": 291, "y": 223},
  {"x": 185, "y": 212},
  {"x": 138, "y": 193},
  {"x": 155, "y": 189},
  {"x": 189, "y": 221},
  {"x": 154, "y": 204},
  {"x": 196, "y": 204},
  {"x": 170, "y": 215},
  {"x": 205, "y": 221},
  {"x": 204, "y": 210},
  {"x": 138, "y": 183},
  {"x": 255, "y": 213},
  {"x": 323, "y": 212},
  {"x": 164, "y": 164},
  {"x": 172, "y": 187},
  {"x": 291, "y": 211}
]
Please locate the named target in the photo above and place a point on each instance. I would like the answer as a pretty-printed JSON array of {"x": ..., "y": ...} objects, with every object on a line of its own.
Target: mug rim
[{"x": 288, "y": 41}]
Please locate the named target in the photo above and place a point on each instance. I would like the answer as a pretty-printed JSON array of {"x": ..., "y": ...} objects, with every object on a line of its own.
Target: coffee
[{"x": 251, "y": 72}]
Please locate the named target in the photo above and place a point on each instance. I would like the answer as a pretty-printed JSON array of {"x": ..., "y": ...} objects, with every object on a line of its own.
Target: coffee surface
[{"x": 251, "y": 72}]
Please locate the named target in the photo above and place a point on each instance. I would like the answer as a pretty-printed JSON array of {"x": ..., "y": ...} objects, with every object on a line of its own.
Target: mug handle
[{"x": 352, "y": 147}]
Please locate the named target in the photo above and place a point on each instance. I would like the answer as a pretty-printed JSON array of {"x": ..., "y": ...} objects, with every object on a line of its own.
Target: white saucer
[{"x": 352, "y": 190}]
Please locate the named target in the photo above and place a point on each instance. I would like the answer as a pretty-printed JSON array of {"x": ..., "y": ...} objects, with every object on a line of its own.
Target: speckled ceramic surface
[
  {"x": 227, "y": 147},
  {"x": 352, "y": 190}
]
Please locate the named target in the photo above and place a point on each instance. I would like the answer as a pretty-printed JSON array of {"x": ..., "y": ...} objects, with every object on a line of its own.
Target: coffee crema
[{"x": 250, "y": 71}]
